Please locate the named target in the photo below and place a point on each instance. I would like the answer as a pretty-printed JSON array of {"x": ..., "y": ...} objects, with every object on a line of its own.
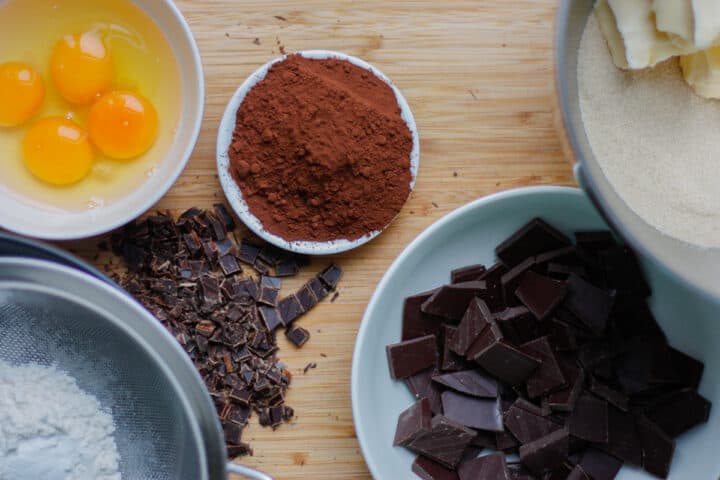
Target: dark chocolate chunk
[
  {"x": 331, "y": 276},
  {"x": 229, "y": 265},
  {"x": 623, "y": 272},
  {"x": 262, "y": 267},
  {"x": 415, "y": 322},
  {"x": 269, "y": 296},
  {"x": 318, "y": 288},
  {"x": 233, "y": 432},
  {"x": 451, "y": 301},
  {"x": 506, "y": 442},
  {"x": 589, "y": 420},
  {"x": 491, "y": 467},
  {"x": 675, "y": 367},
  {"x": 540, "y": 294},
  {"x": 287, "y": 267},
  {"x": 532, "y": 239},
  {"x": 594, "y": 242},
  {"x": 297, "y": 335},
  {"x": 559, "y": 271},
  {"x": 290, "y": 309},
  {"x": 413, "y": 356},
  {"x": 518, "y": 472},
  {"x": 623, "y": 440},
  {"x": 450, "y": 361},
  {"x": 422, "y": 386},
  {"x": 492, "y": 277},
  {"x": 527, "y": 427},
  {"x": 678, "y": 412},
  {"x": 426, "y": 469},
  {"x": 546, "y": 453},
  {"x": 445, "y": 443},
  {"x": 589, "y": 304},
  {"x": 413, "y": 422},
  {"x": 577, "y": 473},
  {"x": 612, "y": 396},
  {"x": 479, "y": 413},
  {"x": 222, "y": 213},
  {"x": 657, "y": 448},
  {"x": 470, "y": 382},
  {"x": 562, "y": 336},
  {"x": 541, "y": 411},
  {"x": 565, "y": 256},
  {"x": 467, "y": 274},
  {"x": 510, "y": 281},
  {"x": 485, "y": 440},
  {"x": 549, "y": 376},
  {"x": 271, "y": 317},
  {"x": 248, "y": 252},
  {"x": 502, "y": 359},
  {"x": 599, "y": 465},
  {"x": 270, "y": 282},
  {"x": 477, "y": 317},
  {"x": 270, "y": 255},
  {"x": 306, "y": 297},
  {"x": 517, "y": 324}
]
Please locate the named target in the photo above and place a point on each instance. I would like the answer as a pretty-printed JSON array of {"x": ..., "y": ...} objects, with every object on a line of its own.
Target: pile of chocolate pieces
[
  {"x": 188, "y": 273},
  {"x": 551, "y": 354}
]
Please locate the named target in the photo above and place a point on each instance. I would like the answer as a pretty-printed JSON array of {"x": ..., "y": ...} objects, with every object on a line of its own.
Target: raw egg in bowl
[{"x": 100, "y": 108}]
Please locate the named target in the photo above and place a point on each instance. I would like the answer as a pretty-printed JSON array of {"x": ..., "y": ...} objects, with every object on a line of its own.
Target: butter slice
[
  {"x": 702, "y": 72},
  {"x": 608, "y": 26},
  {"x": 645, "y": 46},
  {"x": 707, "y": 22},
  {"x": 675, "y": 17}
]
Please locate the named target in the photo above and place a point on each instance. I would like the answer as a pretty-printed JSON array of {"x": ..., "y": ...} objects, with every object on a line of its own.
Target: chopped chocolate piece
[
  {"x": 540, "y": 294},
  {"x": 540, "y": 411},
  {"x": 506, "y": 442},
  {"x": 479, "y": 413},
  {"x": 270, "y": 255},
  {"x": 426, "y": 469},
  {"x": 562, "y": 336},
  {"x": 492, "y": 277},
  {"x": 331, "y": 276},
  {"x": 548, "y": 377},
  {"x": 413, "y": 422},
  {"x": 239, "y": 414},
  {"x": 546, "y": 453},
  {"x": 450, "y": 361},
  {"x": 276, "y": 414},
  {"x": 657, "y": 448},
  {"x": 309, "y": 366},
  {"x": 413, "y": 356},
  {"x": 271, "y": 317},
  {"x": 477, "y": 317},
  {"x": 532, "y": 239},
  {"x": 422, "y": 386},
  {"x": 261, "y": 267},
  {"x": 623, "y": 440},
  {"x": 470, "y": 382},
  {"x": 233, "y": 432},
  {"x": 445, "y": 443},
  {"x": 225, "y": 217},
  {"x": 229, "y": 265},
  {"x": 599, "y": 465},
  {"x": 269, "y": 296},
  {"x": 613, "y": 397},
  {"x": 676, "y": 367},
  {"x": 559, "y": 271},
  {"x": 317, "y": 287},
  {"x": 594, "y": 242},
  {"x": 577, "y": 473},
  {"x": 467, "y": 274},
  {"x": 518, "y": 472},
  {"x": 485, "y": 440},
  {"x": 491, "y": 466},
  {"x": 565, "y": 256},
  {"x": 589, "y": 420},
  {"x": 270, "y": 282},
  {"x": 306, "y": 297},
  {"x": 564, "y": 400},
  {"x": 623, "y": 272},
  {"x": 234, "y": 451},
  {"x": 290, "y": 309},
  {"x": 451, "y": 301},
  {"x": 415, "y": 323},
  {"x": 297, "y": 335},
  {"x": 286, "y": 268},
  {"x": 527, "y": 427},
  {"x": 680, "y": 411},
  {"x": 517, "y": 324},
  {"x": 510, "y": 281},
  {"x": 588, "y": 303},
  {"x": 502, "y": 359},
  {"x": 248, "y": 252}
]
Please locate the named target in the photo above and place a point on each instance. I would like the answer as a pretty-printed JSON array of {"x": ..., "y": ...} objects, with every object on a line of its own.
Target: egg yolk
[
  {"x": 81, "y": 67},
  {"x": 22, "y": 91},
  {"x": 123, "y": 125},
  {"x": 57, "y": 151}
]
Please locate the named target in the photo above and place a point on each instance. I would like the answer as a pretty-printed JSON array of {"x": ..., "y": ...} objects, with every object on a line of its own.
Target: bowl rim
[
  {"x": 232, "y": 191},
  {"x": 98, "y": 227},
  {"x": 360, "y": 427}
]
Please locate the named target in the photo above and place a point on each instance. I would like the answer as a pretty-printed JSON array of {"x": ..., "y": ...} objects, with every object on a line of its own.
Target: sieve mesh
[{"x": 154, "y": 432}]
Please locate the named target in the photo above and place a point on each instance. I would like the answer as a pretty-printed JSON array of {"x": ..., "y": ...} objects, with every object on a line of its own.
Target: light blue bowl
[{"x": 469, "y": 236}]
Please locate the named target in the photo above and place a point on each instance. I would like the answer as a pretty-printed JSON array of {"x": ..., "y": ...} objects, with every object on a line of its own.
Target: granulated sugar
[{"x": 656, "y": 141}]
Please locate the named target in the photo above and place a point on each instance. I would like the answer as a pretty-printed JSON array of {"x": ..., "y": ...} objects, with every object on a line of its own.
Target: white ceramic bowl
[
  {"x": 469, "y": 236},
  {"x": 48, "y": 224},
  {"x": 232, "y": 191}
]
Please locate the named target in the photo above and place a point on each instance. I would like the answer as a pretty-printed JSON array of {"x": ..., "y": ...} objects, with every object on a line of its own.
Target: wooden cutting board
[{"x": 478, "y": 76}]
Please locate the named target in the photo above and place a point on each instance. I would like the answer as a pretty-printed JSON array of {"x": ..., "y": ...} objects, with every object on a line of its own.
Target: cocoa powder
[{"x": 320, "y": 151}]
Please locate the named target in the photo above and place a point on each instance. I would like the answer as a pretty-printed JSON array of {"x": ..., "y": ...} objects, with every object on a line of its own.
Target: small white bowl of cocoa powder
[{"x": 317, "y": 152}]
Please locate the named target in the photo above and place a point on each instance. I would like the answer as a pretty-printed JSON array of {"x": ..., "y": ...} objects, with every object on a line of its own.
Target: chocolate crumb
[{"x": 309, "y": 366}]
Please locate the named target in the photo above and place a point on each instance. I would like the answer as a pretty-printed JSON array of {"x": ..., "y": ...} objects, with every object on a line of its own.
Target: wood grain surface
[{"x": 478, "y": 76}]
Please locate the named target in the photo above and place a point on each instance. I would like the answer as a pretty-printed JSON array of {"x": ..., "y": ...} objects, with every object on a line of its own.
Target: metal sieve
[{"x": 166, "y": 424}]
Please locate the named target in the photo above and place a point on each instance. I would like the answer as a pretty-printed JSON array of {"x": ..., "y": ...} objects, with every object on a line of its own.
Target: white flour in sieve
[
  {"x": 656, "y": 141},
  {"x": 51, "y": 430}
]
